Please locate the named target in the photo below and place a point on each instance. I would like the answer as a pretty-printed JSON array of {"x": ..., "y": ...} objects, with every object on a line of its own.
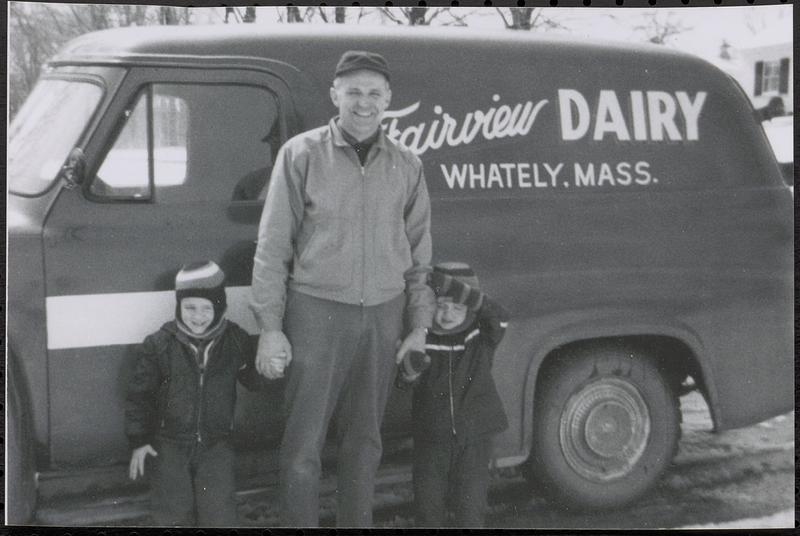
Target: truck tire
[
  {"x": 606, "y": 426},
  {"x": 21, "y": 465}
]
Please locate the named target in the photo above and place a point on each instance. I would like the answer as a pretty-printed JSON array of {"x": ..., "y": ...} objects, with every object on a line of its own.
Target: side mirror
[{"x": 74, "y": 168}]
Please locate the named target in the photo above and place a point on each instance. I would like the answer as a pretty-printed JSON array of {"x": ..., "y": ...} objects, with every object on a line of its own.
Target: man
[{"x": 344, "y": 249}]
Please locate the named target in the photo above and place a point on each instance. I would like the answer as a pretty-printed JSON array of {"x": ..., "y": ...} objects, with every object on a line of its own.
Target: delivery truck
[{"x": 622, "y": 202}]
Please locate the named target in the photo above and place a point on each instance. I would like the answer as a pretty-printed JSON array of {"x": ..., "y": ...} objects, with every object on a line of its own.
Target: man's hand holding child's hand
[
  {"x": 413, "y": 365},
  {"x": 274, "y": 354},
  {"x": 138, "y": 457},
  {"x": 414, "y": 342}
]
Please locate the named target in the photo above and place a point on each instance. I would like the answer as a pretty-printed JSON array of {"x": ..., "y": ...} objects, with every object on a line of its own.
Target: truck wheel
[
  {"x": 606, "y": 426},
  {"x": 21, "y": 467}
]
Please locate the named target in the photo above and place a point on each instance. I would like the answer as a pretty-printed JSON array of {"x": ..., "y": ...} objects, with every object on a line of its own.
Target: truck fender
[
  {"x": 21, "y": 475},
  {"x": 599, "y": 325}
]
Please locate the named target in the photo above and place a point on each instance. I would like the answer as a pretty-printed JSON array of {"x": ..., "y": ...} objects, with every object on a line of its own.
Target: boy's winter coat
[
  {"x": 456, "y": 398},
  {"x": 171, "y": 394}
]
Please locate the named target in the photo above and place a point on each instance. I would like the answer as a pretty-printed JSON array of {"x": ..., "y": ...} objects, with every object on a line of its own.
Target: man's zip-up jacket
[{"x": 335, "y": 229}]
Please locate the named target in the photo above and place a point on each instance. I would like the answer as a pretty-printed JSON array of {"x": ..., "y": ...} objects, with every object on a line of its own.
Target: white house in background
[
  {"x": 763, "y": 67},
  {"x": 770, "y": 74}
]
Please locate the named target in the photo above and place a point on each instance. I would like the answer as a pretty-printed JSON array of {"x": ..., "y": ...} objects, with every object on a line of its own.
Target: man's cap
[
  {"x": 354, "y": 60},
  {"x": 460, "y": 271}
]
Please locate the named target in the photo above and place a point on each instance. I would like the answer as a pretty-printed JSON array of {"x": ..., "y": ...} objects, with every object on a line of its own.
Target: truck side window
[
  {"x": 211, "y": 142},
  {"x": 124, "y": 172}
]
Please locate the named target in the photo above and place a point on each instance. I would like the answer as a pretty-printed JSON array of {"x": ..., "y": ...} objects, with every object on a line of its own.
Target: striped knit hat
[
  {"x": 472, "y": 297},
  {"x": 202, "y": 280},
  {"x": 459, "y": 271}
]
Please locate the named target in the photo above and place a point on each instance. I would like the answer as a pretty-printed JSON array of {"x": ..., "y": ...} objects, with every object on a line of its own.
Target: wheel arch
[
  {"x": 21, "y": 473},
  {"x": 677, "y": 351}
]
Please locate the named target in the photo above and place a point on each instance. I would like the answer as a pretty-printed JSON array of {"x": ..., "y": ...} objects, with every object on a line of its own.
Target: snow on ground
[
  {"x": 780, "y": 132},
  {"x": 784, "y": 519}
]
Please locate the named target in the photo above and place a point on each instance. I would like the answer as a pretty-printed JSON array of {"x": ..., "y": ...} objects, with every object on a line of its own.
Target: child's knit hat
[
  {"x": 470, "y": 295},
  {"x": 460, "y": 271},
  {"x": 202, "y": 280}
]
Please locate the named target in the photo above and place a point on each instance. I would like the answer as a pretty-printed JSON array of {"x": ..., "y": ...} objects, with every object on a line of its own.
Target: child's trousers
[
  {"x": 449, "y": 474},
  {"x": 193, "y": 484}
]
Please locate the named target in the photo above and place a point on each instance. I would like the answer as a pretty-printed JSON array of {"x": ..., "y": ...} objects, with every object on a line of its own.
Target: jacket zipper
[
  {"x": 202, "y": 369},
  {"x": 363, "y": 231},
  {"x": 450, "y": 382},
  {"x": 200, "y": 407}
]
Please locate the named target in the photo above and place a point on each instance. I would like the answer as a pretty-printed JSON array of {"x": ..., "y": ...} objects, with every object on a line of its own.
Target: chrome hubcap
[{"x": 604, "y": 429}]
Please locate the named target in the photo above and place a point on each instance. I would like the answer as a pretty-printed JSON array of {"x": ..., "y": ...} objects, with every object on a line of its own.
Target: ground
[{"x": 740, "y": 478}]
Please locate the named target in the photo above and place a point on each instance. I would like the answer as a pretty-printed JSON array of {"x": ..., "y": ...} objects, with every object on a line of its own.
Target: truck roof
[{"x": 254, "y": 40}]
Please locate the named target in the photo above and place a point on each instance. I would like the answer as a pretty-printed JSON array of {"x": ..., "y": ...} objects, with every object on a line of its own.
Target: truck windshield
[{"x": 45, "y": 129}]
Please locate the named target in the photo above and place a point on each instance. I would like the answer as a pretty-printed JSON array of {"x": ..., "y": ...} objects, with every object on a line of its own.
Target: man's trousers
[{"x": 343, "y": 360}]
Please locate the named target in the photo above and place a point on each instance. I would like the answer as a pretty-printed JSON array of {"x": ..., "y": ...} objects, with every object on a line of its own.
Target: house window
[{"x": 771, "y": 76}]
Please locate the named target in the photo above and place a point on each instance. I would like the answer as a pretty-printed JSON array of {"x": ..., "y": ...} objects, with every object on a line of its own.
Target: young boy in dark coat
[
  {"x": 180, "y": 403},
  {"x": 456, "y": 409}
]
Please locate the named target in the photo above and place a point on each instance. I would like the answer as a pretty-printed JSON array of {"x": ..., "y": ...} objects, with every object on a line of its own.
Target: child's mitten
[{"x": 411, "y": 367}]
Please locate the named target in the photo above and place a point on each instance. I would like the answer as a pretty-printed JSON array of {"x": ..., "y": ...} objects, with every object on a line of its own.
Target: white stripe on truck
[{"x": 87, "y": 320}]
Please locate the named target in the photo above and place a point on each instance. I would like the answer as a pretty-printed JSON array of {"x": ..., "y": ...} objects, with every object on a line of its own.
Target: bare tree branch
[
  {"x": 657, "y": 29},
  {"x": 458, "y": 20},
  {"x": 528, "y": 18},
  {"x": 416, "y": 16},
  {"x": 502, "y": 16},
  {"x": 54, "y": 19},
  {"x": 79, "y": 19},
  {"x": 536, "y": 17},
  {"x": 38, "y": 30},
  {"x": 552, "y": 24},
  {"x": 293, "y": 14},
  {"x": 388, "y": 13},
  {"x": 411, "y": 16},
  {"x": 436, "y": 13}
]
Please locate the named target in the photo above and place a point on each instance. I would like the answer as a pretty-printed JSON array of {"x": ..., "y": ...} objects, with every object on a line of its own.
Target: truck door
[{"x": 176, "y": 172}]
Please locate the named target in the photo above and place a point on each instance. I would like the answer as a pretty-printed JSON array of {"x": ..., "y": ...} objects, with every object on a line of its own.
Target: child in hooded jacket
[
  {"x": 180, "y": 403},
  {"x": 455, "y": 406}
]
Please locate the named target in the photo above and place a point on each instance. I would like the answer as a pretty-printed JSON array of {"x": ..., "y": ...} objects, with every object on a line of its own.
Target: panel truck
[{"x": 622, "y": 202}]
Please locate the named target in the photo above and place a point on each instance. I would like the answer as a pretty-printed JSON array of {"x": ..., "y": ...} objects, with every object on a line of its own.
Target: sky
[{"x": 706, "y": 28}]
